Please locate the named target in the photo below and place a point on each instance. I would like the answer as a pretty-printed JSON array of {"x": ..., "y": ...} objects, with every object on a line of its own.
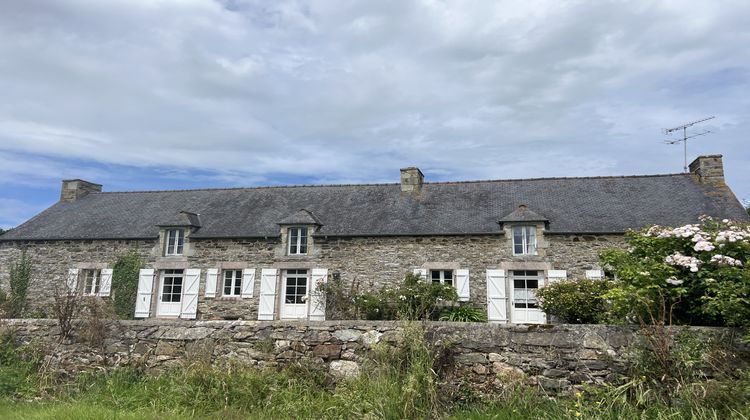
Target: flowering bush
[
  {"x": 694, "y": 274},
  {"x": 575, "y": 301}
]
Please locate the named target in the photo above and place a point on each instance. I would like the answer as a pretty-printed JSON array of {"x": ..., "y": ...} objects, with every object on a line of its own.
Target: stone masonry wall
[
  {"x": 369, "y": 261},
  {"x": 556, "y": 358}
]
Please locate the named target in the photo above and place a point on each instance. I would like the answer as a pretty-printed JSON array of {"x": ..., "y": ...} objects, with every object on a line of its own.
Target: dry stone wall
[
  {"x": 556, "y": 358},
  {"x": 371, "y": 262}
]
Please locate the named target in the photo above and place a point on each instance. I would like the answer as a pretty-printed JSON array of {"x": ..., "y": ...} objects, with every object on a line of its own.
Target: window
[
  {"x": 91, "y": 282},
  {"x": 232, "y": 282},
  {"x": 442, "y": 276},
  {"x": 172, "y": 285},
  {"x": 524, "y": 240},
  {"x": 525, "y": 285},
  {"x": 175, "y": 242},
  {"x": 296, "y": 286},
  {"x": 297, "y": 240}
]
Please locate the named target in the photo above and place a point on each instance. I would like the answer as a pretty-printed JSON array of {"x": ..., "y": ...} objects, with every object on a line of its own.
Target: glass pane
[
  {"x": 520, "y": 305},
  {"x": 448, "y": 274},
  {"x": 449, "y": 282},
  {"x": 435, "y": 275},
  {"x": 519, "y": 284},
  {"x": 532, "y": 284},
  {"x": 237, "y": 289},
  {"x": 518, "y": 248}
]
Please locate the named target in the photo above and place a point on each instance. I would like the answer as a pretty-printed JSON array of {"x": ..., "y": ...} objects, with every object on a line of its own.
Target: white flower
[
  {"x": 674, "y": 281},
  {"x": 683, "y": 261},
  {"x": 402, "y": 297},
  {"x": 644, "y": 273},
  {"x": 726, "y": 260},
  {"x": 703, "y": 246}
]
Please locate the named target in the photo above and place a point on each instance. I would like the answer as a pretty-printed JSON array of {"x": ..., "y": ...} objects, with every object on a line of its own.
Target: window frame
[
  {"x": 173, "y": 275},
  {"x": 297, "y": 274},
  {"x": 441, "y": 276},
  {"x": 525, "y": 277},
  {"x": 235, "y": 283},
  {"x": 528, "y": 247},
  {"x": 300, "y": 234},
  {"x": 176, "y": 248},
  {"x": 96, "y": 281}
]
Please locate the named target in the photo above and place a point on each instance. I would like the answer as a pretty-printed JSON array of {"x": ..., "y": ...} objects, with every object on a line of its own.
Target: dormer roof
[{"x": 300, "y": 217}]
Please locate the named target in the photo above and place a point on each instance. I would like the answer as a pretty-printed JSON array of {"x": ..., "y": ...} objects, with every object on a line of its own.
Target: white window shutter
[
  {"x": 553, "y": 276},
  {"x": 462, "y": 284},
  {"x": 212, "y": 274},
  {"x": 145, "y": 289},
  {"x": 248, "y": 282},
  {"x": 317, "y": 302},
  {"x": 267, "y": 301},
  {"x": 594, "y": 274},
  {"x": 497, "y": 302},
  {"x": 72, "y": 281},
  {"x": 106, "y": 282},
  {"x": 190, "y": 293},
  {"x": 421, "y": 272}
]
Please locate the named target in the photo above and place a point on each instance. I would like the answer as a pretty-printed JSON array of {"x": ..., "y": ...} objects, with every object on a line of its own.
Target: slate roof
[
  {"x": 300, "y": 217},
  {"x": 182, "y": 218},
  {"x": 572, "y": 205},
  {"x": 523, "y": 214}
]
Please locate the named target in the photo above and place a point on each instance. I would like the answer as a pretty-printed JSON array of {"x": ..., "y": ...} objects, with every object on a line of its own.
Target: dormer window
[
  {"x": 175, "y": 242},
  {"x": 297, "y": 240},
  {"x": 524, "y": 240}
]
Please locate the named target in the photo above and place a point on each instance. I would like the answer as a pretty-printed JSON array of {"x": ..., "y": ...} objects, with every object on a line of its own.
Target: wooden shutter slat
[
  {"x": 106, "y": 282},
  {"x": 212, "y": 275},
  {"x": 497, "y": 302},
  {"x": 248, "y": 282},
  {"x": 190, "y": 294},
  {"x": 317, "y": 302},
  {"x": 145, "y": 289},
  {"x": 462, "y": 284},
  {"x": 267, "y": 300}
]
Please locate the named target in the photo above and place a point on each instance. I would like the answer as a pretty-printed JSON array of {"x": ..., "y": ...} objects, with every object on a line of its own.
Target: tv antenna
[{"x": 685, "y": 137}]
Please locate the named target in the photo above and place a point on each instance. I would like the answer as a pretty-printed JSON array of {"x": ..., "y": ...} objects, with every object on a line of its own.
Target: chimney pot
[
  {"x": 411, "y": 180},
  {"x": 708, "y": 169},
  {"x": 75, "y": 189}
]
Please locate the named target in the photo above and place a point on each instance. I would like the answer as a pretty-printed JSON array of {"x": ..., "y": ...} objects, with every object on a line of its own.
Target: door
[
  {"x": 525, "y": 309},
  {"x": 170, "y": 293},
  {"x": 294, "y": 301}
]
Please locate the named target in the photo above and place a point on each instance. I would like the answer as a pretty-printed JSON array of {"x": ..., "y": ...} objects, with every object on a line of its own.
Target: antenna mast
[{"x": 685, "y": 137}]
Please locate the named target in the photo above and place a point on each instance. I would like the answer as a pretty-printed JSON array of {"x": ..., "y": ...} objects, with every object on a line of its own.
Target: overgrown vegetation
[
  {"x": 66, "y": 305},
  {"x": 125, "y": 284},
  {"x": 14, "y": 303},
  {"x": 578, "y": 301},
  {"x": 404, "y": 382},
  {"x": 412, "y": 299}
]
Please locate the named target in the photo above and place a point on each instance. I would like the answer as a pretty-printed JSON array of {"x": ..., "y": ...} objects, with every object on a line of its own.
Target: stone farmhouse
[{"x": 259, "y": 253}]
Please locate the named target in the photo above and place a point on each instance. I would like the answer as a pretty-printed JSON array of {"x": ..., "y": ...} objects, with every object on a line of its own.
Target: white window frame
[
  {"x": 528, "y": 239},
  {"x": 441, "y": 276},
  {"x": 235, "y": 281},
  {"x": 294, "y": 247},
  {"x": 528, "y": 293},
  {"x": 176, "y": 248},
  {"x": 96, "y": 280}
]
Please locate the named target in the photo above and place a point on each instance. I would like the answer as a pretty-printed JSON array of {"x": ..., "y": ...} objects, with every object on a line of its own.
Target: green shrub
[
  {"x": 575, "y": 301},
  {"x": 464, "y": 313},
  {"x": 20, "y": 278},
  {"x": 125, "y": 283},
  {"x": 696, "y": 274}
]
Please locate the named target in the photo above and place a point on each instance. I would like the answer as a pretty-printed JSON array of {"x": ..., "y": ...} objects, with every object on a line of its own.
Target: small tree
[
  {"x": 20, "y": 278},
  {"x": 125, "y": 283},
  {"x": 66, "y": 305}
]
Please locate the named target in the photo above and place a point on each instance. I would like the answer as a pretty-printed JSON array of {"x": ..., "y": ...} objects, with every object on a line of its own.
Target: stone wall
[
  {"x": 369, "y": 261},
  {"x": 556, "y": 358}
]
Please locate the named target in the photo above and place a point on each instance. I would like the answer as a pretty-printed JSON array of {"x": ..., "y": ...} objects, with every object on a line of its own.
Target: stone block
[
  {"x": 343, "y": 369},
  {"x": 555, "y": 373},
  {"x": 327, "y": 351},
  {"x": 185, "y": 333},
  {"x": 347, "y": 335},
  {"x": 470, "y": 358}
]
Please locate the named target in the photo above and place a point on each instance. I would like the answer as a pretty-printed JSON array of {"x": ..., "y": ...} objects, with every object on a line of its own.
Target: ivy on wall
[{"x": 125, "y": 283}]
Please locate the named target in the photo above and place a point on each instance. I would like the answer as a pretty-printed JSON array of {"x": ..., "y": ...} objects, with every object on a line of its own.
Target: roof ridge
[{"x": 263, "y": 187}]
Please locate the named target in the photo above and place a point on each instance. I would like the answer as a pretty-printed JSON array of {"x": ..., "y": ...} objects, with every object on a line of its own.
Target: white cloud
[{"x": 351, "y": 91}]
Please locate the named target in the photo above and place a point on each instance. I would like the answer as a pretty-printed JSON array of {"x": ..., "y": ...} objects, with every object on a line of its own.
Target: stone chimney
[
  {"x": 411, "y": 180},
  {"x": 708, "y": 169},
  {"x": 73, "y": 189}
]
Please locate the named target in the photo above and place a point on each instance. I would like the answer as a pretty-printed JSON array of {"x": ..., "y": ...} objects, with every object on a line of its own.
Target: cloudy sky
[{"x": 187, "y": 94}]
